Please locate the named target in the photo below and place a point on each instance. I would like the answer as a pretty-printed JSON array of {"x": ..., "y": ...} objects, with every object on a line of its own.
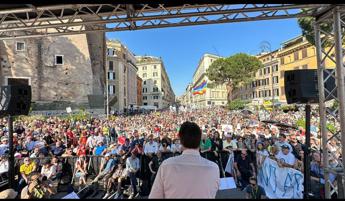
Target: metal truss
[
  {"x": 54, "y": 20},
  {"x": 329, "y": 30}
]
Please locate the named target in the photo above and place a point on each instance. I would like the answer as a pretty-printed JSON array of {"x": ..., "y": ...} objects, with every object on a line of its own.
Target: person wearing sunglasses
[{"x": 254, "y": 191}]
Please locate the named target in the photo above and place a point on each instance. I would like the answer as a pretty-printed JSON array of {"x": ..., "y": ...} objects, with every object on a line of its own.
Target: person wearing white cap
[{"x": 3, "y": 145}]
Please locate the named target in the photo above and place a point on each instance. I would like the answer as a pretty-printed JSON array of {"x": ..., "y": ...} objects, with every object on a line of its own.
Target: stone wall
[{"x": 81, "y": 74}]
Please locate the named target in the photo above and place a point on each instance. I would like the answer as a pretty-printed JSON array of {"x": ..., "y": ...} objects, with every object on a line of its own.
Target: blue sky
[{"x": 182, "y": 47}]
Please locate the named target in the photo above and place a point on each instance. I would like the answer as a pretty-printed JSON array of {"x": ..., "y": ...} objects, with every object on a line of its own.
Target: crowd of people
[{"x": 123, "y": 154}]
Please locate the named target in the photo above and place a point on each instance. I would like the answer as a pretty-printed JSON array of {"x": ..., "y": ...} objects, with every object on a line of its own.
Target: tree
[
  {"x": 232, "y": 71},
  {"x": 306, "y": 24}
]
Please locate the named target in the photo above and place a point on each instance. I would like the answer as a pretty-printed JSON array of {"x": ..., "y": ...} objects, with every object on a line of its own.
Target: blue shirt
[
  {"x": 110, "y": 164},
  {"x": 58, "y": 151},
  {"x": 99, "y": 150},
  {"x": 319, "y": 172},
  {"x": 30, "y": 145}
]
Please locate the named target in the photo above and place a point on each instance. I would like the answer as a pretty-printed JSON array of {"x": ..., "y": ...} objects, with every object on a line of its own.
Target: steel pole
[
  {"x": 11, "y": 153},
  {"x": 307, "y": 186},
  {"x": 340, "y": 74},
  {"x": 322, "y": 107},
  {"x": 107, "y": 92}
]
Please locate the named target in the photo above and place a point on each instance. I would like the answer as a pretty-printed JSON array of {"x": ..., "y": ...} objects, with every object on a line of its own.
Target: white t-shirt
[
  {"x": 289, "y": 158},
  {"x": 151, "y": 148},
  {"x": 3, "y": 166}
]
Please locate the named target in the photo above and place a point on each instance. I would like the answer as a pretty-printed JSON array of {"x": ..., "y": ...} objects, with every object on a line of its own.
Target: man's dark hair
[{"x": 190, "y": 135}]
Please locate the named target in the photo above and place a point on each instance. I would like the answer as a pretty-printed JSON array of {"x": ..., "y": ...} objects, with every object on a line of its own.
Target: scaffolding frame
[
  {"x": 329, "y": 30},
  {"x": 29, "y": 21},
  {"x": 55, "y": 20}
]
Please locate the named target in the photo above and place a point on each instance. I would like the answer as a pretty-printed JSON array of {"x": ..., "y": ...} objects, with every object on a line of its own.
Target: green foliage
[
  {"x": 81, "y": 115},
  {"x": 335, "y": 105},
  {"x": 29, "y": 118},
  {"x": 306, "y": 24},
  {"x": 236, "y": 69},
  {"x": 237, "y": 104},
  {"x": 287, "y": 108},
  {"x": 331, "y": 128},
  {"x": 301, "y": 122}
]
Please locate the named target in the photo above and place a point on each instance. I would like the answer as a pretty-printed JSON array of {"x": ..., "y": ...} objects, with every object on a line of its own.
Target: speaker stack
[
  {"x": 301, "y": 86},
  {"x": 15, "y": 100}
]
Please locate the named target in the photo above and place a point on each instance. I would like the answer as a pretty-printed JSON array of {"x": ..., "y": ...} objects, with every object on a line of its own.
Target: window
[
  {"x": 145, "y": 82},
  {"x": 260, "y": 71},
  {"x": 155, "y": 97},
  {"x": 295, "y": 56},
  {"x": 144, "y": 97},
  {"x": 58, "y": 59},
  {"x": 154, "y": 81},
  {"x": 269, "y": 92},
  {"x": 145, "y": 103},
  {"x": 111, "y": 65},
  {"x": 124, "y": 91},
  {"x": 156, "y": 104},
  {"x": 20, "y": 46},
  {"x": 111, "y": 89},
  {"x": 268, "y": 70},
  {"x": 144, "y": 75},
  {"x": 276, "y": 92},
  {"x": 267, "y": 81},
  {"x": 264, "y": 71},
  {"x": 282, "y": 60},
  {"x": 275, "y": 68},
  {"x": 154, "y": 66},
  {"x": 111, "y": 76},
  {"x": 155, "y": 89},
  {"x": 144, "y": 67},
  {"x": 304, "y": 53},
  {"x": 145, "y": 90},
  {"x": 275, "y": 79},
  {"x": 155, "y": 74}
]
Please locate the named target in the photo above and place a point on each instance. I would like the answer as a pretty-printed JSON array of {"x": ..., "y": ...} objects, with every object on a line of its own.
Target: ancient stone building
[{"x": 63, "y": 69}]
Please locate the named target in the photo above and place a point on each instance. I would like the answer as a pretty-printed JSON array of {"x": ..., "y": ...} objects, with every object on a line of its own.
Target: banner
[{"x": 280, "y": 182}]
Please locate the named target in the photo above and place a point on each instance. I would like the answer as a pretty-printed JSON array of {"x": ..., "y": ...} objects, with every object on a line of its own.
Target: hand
[{"x": 238, "y": 173}]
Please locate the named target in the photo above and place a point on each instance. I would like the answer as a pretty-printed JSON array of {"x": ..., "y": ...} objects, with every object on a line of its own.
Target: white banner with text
[{"x": 280, "y": 182}]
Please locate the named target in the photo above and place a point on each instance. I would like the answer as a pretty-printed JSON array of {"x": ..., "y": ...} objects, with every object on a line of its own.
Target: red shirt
[
  {"x": 81, "y": 151},
  {"x": 122, "y": 140},
  {"x": 70, "y": 134},
  {"x": 83, "y": 140}
]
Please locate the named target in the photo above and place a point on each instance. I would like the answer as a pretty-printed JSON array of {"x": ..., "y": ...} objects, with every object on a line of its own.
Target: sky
[{"x": 182, "y": 47}]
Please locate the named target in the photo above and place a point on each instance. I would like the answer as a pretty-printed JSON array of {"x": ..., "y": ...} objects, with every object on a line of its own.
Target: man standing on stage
[{"x": 188, "y": 175}]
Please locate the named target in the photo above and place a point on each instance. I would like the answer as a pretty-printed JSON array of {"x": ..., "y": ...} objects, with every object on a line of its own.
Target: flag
[{"x": 200, "y": 89}]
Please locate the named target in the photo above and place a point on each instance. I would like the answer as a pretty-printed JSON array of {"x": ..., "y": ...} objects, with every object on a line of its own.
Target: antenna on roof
[{"x": 216, "y": 50}]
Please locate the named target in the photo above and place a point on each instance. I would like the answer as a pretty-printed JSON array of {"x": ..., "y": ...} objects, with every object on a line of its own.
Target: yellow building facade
[{"x": 297, "y": 53}]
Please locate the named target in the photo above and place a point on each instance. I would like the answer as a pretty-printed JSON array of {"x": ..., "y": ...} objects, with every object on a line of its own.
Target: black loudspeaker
[
  {"x": 15, "y": 100},
  {"x": 301, "y": 86}
]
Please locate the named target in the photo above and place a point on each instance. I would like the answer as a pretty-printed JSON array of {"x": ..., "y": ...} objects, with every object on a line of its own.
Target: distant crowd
[{"x": 122, "y": 155}]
